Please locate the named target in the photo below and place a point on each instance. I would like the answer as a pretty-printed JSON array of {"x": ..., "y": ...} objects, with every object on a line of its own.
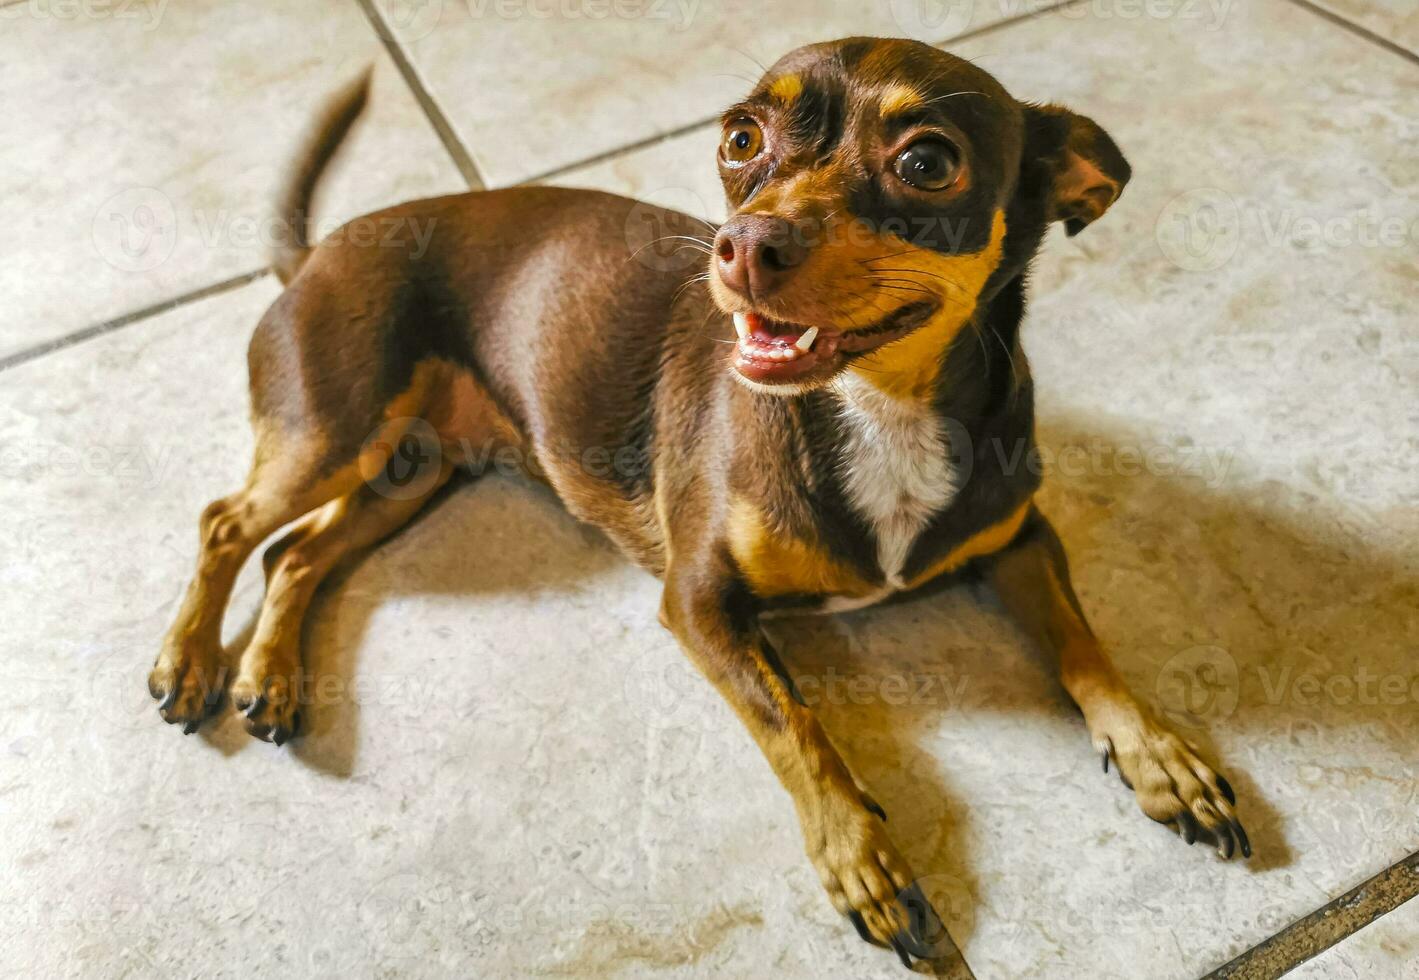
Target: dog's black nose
[{"x": 757, "y": 253}]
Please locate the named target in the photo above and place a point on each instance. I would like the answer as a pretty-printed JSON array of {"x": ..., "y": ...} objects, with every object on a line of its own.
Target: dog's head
[{"x": 878, "y": 190}]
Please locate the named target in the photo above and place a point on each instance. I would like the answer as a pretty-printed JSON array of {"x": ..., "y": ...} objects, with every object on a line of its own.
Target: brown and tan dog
[{"x": 887, "y": 198}]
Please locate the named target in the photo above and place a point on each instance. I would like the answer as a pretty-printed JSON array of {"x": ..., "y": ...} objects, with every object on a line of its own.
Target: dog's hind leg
[
  {"x": 268, "y": 689},
  {"x": 288, "y": 479}
]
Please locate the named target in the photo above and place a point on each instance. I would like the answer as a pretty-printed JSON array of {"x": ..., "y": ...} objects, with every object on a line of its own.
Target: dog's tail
[{"x": 293, "y": 205}]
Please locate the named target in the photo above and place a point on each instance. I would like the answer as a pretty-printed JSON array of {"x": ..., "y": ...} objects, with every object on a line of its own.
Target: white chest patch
[{"x": 896, "y": 468}]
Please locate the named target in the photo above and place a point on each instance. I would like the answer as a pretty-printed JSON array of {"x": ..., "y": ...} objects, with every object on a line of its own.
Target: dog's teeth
[
  {"x": 805, "y": 342},
  {"x": 741, "y": 326}
]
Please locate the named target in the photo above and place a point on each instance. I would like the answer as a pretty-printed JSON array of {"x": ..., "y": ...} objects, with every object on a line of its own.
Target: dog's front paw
[
  {"x": 187, "y": 683},
  {"x": 266, "y": 693},
  {"x": 1171, "y": 782},
  {"x": 870, "y": 883}
]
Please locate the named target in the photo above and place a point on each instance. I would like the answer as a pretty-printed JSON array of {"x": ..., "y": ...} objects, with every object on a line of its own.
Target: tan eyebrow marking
[
  {"x": 900, "y": 98},
  {"x": 786, "y": 88}
]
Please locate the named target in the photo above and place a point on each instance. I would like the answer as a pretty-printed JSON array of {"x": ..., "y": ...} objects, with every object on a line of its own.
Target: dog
[{"x": 790, "y": 428}]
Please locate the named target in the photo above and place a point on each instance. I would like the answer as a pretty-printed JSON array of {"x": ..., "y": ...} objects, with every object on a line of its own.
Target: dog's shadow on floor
[
  {"x": 495, "y": 536},
  {"x": 1217, "y": 594}
]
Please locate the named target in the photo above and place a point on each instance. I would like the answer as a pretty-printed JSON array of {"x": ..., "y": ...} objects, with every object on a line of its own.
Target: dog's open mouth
[{"x": 773, "y": 351}]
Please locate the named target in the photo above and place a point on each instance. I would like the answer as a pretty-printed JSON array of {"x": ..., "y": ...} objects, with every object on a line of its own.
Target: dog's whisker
[
  {"x": 889, "y": 255},
  {"x": 704, "y": 243},
  {"x": 692, "y": 281},
  {"x": 1009, "y": 355},
  {"x": 904, "y": 285},
  {"x": 702, "y": 246},
  {"x": 951, "y": 95},
  {"x": 920, "y": 272},
  {"x": 763, "y": 69}
]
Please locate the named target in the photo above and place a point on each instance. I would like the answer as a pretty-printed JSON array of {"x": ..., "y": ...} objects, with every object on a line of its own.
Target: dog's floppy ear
[{"x": 1079, "y": 167}]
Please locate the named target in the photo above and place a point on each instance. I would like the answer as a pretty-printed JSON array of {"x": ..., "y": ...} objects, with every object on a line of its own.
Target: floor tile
[
  {"x": 619, "y": 71},
  {"x": 1387, "y": 948},
  {"x": 143, "y": 161},
  {"x": 1394, "y": 20}
]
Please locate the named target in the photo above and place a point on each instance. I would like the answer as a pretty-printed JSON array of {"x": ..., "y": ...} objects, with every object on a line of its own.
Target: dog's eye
[
  {"x": 743, "y": 139},
  {"x": 929, "y": 164}
]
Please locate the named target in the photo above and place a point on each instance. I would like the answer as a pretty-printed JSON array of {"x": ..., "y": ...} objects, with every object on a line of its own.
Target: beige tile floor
[
  {"x": 139, "y": 162},
  {"x": 522, "y": 774},
  {"x": 1389, "y": 948}
]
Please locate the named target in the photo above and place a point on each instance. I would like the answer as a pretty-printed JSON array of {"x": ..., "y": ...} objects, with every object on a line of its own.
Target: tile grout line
[
  {"x": 462, "y": 159},
  {"x": 1327, "y": 926},
  {"x": 686, "y": 128},
  {"x": 127, "y": 319},
  {"x": 1003, "y": 23},
  {"x": 1360, "y": 31},
  {"x": 631, "y": 147}
]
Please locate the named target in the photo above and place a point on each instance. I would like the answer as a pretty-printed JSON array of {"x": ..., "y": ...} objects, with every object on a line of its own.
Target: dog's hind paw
[
  {"x": 268, "y": 699},
  {"x": 187, "y": 686}
]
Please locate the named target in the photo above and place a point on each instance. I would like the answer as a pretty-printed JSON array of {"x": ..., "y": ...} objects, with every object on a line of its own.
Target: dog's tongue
[
  {"x": 768, "y": 331},
  {"x": 759, "y": 332}
]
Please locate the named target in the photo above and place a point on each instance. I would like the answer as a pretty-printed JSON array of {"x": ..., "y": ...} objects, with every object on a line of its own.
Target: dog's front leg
[
  {"x": 1166, "y": 773},
  {"x": 868, "y": 881}
]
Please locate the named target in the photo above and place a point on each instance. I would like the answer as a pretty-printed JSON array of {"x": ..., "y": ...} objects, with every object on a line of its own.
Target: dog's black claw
[
  {"x": 256, "y": 705},
  {"x": 190, "y": 727},
  {"x": 279, "y": 736},
  {"x": 855, "y": 917},
  {"x": 1187, "y": 828},
  {"x": 1243, "y": 841},
  {"x": 168, "y": 701},
  {"x": 1226, "y": 788},
  {"x": 1225, "y": 844},
  {"x": 874, "y": 807},
  {"x": 925, "y": 936},
  {"x": 1107, "y": 751},
  {"x": 901, "y": 953}
]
